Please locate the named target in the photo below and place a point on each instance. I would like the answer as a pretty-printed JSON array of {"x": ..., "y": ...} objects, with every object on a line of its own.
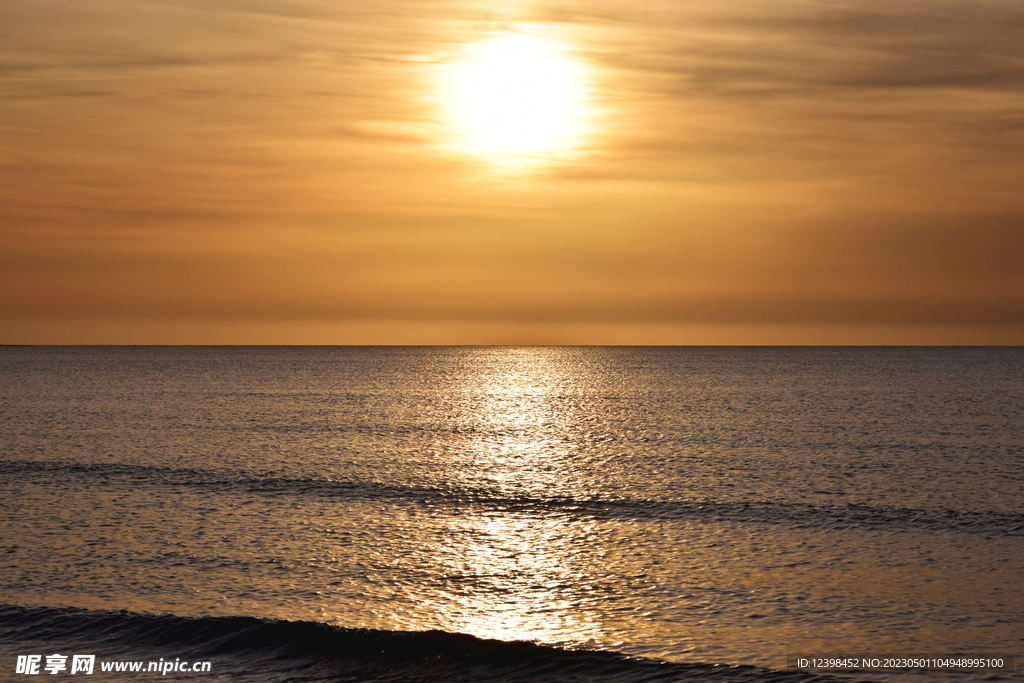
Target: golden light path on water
[
  {"x": 529, "y": 568},
  {"x": 517, "y": 100},
  {"x": 530, "y": 571}
]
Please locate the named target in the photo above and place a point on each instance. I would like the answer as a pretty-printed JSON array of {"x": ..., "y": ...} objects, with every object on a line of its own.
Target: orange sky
[{"x": 288, "y": 171}]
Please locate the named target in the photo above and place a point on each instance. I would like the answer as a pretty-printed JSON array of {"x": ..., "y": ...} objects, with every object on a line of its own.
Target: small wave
[
  {"x": 313, "y": 651},
  {"x": 799, "y": 515}
]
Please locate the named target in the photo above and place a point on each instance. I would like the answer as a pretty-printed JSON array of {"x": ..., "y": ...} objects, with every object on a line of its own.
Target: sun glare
[{"x": 516, "y": 98}]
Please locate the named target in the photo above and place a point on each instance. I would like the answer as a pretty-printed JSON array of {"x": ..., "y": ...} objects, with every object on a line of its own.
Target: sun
[{"x": 515, "y": 97}]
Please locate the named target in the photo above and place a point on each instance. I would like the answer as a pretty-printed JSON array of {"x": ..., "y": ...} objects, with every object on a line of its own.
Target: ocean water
[{"x": 511, "y": 514}]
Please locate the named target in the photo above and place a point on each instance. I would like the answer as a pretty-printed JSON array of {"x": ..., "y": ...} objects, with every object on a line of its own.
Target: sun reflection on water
[
  {"x": 522, "y": 415},
  {"x": 523, "y": 574}
]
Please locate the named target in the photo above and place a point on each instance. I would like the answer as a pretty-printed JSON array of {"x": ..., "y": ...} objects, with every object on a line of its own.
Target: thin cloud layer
[{"x": 793, "y": 163}]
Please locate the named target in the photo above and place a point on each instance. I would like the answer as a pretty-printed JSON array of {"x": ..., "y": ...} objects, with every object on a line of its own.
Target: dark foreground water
[{"x": 511, "y": 514}]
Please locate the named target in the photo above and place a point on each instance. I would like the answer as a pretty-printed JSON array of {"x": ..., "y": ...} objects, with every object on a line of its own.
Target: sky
[{"x": 511, "y": 172}]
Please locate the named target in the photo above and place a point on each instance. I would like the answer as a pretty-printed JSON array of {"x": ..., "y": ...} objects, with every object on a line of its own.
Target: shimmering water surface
[{"x": 714, "y": 506}]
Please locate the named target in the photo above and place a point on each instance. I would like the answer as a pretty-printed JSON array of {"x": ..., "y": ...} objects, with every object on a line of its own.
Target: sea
[{"x": 527, "y": 514}]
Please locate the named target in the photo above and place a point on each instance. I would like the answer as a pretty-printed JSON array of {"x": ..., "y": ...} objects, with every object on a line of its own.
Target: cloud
[
  {"x": 764, "y": 49},
  {"x": 803, "y": 162}
]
